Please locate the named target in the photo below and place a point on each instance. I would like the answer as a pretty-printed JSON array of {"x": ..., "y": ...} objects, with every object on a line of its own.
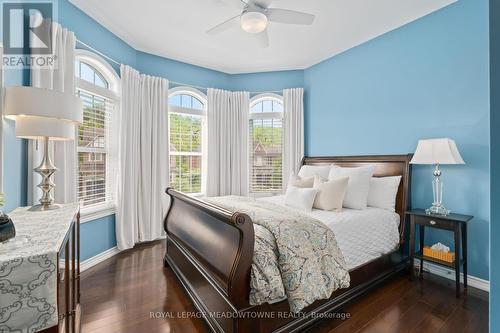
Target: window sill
[{"x": 95, "y": 213}]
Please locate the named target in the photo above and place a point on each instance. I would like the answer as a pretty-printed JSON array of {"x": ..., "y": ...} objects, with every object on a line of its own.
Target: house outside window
[
  {"x": 187, "y": 140},
  {"x": 266, "y": 144},
  {"x": 97, "y": 85}
]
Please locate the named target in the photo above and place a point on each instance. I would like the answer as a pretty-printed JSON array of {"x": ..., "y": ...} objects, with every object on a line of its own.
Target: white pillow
[
  {"x": 383, "y": 192},
  {"x": 300, "y": 198},
  {"x": 356, "y": 196},
  {"x": 307, "y": 171},
  {"x": 297, "y": 181},
  {"x": 330, "y": 194}
]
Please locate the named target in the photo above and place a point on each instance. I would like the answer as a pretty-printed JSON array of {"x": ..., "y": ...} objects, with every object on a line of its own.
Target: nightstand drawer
[{"x": 432, "y": 221}]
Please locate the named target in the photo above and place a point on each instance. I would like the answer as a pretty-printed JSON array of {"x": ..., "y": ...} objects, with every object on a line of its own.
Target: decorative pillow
[
  {"x": 356, "y": 196},
  {"x": 300, "y": 198},
  {"x": 307, "y": 171},
  {"x": 330, "y": 194},
  {"x": 383, "y": 192},
  {"x": 301, "y": 182}
]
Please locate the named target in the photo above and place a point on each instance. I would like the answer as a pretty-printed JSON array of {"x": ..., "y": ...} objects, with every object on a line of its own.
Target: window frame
[
  {"x": 262, "y": 116},
  {"x": 111, "y": 93},
  {"x": 185, "y": 90}
]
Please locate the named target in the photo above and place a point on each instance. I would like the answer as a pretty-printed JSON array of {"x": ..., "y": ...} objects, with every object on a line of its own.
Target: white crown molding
[{"x": 447, "y": 273}]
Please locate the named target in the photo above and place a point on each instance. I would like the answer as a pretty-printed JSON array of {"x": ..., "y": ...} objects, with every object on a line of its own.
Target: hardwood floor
[{"x": 122, "y": 293}]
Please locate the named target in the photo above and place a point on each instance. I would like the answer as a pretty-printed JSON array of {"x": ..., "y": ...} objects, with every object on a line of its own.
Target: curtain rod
[{"x": 173, "y": 82}]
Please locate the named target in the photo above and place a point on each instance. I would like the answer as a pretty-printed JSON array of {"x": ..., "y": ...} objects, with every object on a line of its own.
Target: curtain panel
[
  {"x": 60, "y": 77},
  {"x": 293, "y": 132},
  {"x": 1, "y": 117},
  {"x": 143, "y": 161},
  {"x": 227, "y": 169}
]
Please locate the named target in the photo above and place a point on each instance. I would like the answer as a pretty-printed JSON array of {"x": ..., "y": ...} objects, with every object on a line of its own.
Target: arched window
[
  {"x": 266, "y": 144},
  {"x": 187, "y": 128},
  {"x": 97, "y": 84}
]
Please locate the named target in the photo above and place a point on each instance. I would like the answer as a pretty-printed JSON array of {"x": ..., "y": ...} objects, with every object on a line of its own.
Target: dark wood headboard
[{"x": 385, "y": 166}]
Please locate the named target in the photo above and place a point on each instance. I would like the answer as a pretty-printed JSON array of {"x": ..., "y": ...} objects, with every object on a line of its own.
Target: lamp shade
[
  {"x": 36, "y": 128},
  {"x": 437, "y": 151},
  {"x": 43, "y": 113}
]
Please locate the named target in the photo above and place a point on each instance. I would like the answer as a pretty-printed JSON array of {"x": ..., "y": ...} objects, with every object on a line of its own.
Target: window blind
[
  {"x": 93, "y": 150},
  {"x": 186, "y": 152},
  {"x": 266, "y": 154}
]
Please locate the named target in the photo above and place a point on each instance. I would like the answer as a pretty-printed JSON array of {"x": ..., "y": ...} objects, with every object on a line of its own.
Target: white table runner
[{"x": 28, "y": 269}]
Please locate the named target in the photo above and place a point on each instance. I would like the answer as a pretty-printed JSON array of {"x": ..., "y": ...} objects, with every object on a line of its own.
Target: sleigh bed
[{"x": 210, "y": 250}]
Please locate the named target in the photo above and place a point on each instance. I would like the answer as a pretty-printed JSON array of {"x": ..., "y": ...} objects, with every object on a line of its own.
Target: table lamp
[
  {"x": 43, "y": 114},
  {"x": 437, "y": 152}
]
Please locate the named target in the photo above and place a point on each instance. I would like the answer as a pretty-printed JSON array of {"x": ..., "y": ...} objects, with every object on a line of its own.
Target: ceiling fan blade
[
  {"x": 261, "y": 3},
  {"x": 262, "y": 39},
  {"x": 239, "y": 4},
  {"x": 289, "y": 16},
  {"x": 227, "y": 24}
]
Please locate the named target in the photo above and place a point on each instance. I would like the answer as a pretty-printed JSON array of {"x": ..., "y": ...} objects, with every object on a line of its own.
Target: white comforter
[{"x": 362, "y": 235}]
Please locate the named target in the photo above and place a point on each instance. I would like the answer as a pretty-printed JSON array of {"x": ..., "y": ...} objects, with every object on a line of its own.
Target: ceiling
[{"x": 175, "y": 29}]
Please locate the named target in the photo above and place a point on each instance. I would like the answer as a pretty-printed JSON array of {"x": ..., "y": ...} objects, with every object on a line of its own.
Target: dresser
[{"x": 40, "y": 272}]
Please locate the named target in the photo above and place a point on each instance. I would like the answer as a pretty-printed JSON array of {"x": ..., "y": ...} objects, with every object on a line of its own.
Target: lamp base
[
  {"x": 46, "y": 169},
  {"x": 437, "y": 207},
  {"x": 437, "y": 210},
  {"x": 41, "y": 208}
]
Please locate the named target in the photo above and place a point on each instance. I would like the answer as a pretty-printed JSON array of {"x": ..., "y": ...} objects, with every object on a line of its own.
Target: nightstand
[{"x": 455, "y": 223}]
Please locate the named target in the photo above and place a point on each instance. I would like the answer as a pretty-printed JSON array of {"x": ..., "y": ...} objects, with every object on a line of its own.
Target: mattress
[{"x": 362, "y": 235}]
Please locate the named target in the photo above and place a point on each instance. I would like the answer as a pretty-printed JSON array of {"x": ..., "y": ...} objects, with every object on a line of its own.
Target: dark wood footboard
[{"x": 211, "y": 251}]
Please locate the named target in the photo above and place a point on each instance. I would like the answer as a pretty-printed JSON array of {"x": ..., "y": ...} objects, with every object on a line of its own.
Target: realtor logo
[
  {"x": 27, "y": 28},
  {"x": 27, "y": 34}
]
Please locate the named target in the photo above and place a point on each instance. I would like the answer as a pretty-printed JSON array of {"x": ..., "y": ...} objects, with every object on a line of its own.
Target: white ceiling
[{"x": 176, "y": 29}]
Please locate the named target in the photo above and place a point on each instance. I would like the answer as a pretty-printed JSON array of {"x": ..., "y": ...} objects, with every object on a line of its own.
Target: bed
[
  {"x": 362, "y": 235},
  {"x": 210, "y": 250}
]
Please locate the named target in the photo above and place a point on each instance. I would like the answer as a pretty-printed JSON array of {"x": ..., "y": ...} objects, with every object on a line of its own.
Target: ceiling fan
[{"x": 255, "y": 17}]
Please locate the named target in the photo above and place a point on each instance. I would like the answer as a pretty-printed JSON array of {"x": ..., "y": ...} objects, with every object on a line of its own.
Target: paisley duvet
[{"x": 295, "y": 256}]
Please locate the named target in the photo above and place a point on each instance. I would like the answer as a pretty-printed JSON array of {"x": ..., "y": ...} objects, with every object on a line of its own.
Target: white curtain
[
  {"x": 1, "y": 119},
  {"x": 60, "y": 77},
  {"x": 143, "y": 163},
  {"x": 227, "y": 170},
  {"x": 293, "y": 131}
]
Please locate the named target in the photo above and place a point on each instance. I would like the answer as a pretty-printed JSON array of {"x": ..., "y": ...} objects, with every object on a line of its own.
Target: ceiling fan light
[{"x": 254, "y": 22}]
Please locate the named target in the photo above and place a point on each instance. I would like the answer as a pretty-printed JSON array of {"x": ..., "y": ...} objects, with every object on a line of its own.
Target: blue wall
[
  {"x": 181, "y": 72},
  {"x": 426, "y": 79},
  {"x": 494, "y": 163},
  {"x": 267, "y": 81},
  {"x": 97, "y": 236},
  {"x": 199, "y": 76}
]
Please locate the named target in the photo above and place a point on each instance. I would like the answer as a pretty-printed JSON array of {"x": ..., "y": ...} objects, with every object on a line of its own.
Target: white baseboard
[
  {"x": 450, "y": 274},
  {"x": 90, "y": 262},
  {"x": 430, "y": 267}
]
